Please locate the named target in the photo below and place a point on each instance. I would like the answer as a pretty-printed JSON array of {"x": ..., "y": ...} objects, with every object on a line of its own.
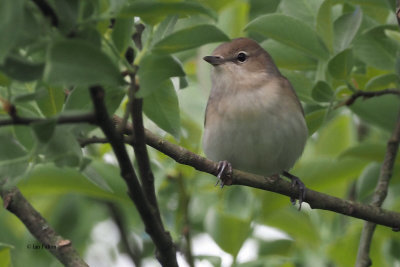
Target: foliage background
[{"x": 326, "y": 48}]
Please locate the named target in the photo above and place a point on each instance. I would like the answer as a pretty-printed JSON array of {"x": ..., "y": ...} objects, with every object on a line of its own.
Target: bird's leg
[
  {"x": 224, "y": 173},
  {"x": 300, "y": 185}
]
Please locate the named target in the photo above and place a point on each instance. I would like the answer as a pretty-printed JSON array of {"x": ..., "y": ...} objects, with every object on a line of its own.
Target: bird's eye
[{"x": 242, "y": 57}]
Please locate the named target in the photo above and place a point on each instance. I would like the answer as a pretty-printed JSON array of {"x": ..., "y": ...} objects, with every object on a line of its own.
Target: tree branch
[
  {"x": 379, "y": 195},
  {"x": 81, "y": 118},
  {"x": 315, "y": 199},
  {"x": 140, "y": 148},
  {"x": 47, "y": 11},
  {"x": 117, "y": 216},
  {"x": 162, "y": 240},
  {"x": 184, "y": 201},
  {"x": 61, "y": 248},
  {"x": 369, "y": 94}
]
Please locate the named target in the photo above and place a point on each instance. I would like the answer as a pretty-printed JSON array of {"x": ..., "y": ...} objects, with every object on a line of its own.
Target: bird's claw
[
  {"x": 296, "y": 182},
  {"x": 224, "y": 173}
]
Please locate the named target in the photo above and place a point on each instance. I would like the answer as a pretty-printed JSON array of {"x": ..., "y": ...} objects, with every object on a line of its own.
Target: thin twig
[
  {"x": 379, "y": 195},
  {"x": 184, "y": 203},
  {"x": 81, "y": 118},
  {"x": 369, "y": 94},
  {"x": 166, "y": 253},
  {"x": 47, "y": 11},
  {"x": 117, "y": 216},
  {"x": 61, "y": 248}
]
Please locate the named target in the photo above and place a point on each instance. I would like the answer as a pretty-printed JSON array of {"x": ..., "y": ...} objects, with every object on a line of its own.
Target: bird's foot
[
  {"x": 224, "y": 173},
  {"x": 296, "y": 182}
]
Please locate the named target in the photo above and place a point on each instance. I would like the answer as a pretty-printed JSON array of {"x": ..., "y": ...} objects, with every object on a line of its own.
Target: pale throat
[
  {"x": 228, "y": 79},
  {"x": 239, "y": 93}
]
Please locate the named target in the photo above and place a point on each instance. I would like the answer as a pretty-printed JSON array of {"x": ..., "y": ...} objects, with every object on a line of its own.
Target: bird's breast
[{"x": 259, "y": 130}]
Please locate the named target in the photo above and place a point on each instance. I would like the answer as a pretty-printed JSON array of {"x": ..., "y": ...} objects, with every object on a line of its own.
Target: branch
[
  {"x": 369, "y": 94},
  {"x": 81, "y": 118},
  {"x": 161, "y": 238},
  {"x": 140, "y": 148},
  {"x": 118, "y": 218},
  {"x": 315, "y": 199},
  {"x": 47, "y": 11},
  {"x": 379, "y": 195},
  {"x": 184, "y": 201},
  {"x": 61, "y": 248}
]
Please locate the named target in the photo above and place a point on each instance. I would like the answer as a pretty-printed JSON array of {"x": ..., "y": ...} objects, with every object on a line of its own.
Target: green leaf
[
  {"x": 228, "y": 231},
  {"x": 155, "y": 70},
  {"x": 44, "y": 129},
  {"x": 340, "y": 66},
  {"x": 368, "y": 152},
  {"x": 11, "y": 22},
  {"x": 4, "y": 80},
  {"x": 162, "y": 108},
  {"x": 335, "y": 172},
  {"x": 21, "y": 98},
  {"x": 376, "y": 49},
  {"x": 314, "y": 120},
  {"x": 61, "y": 148},
  {"x": 322, "y": 92},
  {"x": 383, "y": 81},
  {"x": 324, "y": 24},
  {"x": 122, "y": 34},
  {"x": 216, "y": 5},
  {"x": 304, "y": 10},
  {"x": 89, "y": 34},
  {"x": 13, "y": 157},
  {"x": 288, "y": 57},
  {"x": 79, "y": 99},
  {"x": 233, "y": 19},
  {"x": 154, "y": 12},
  {"x": 96, "y": 178},
  {"x": 5, "y": 256},
  {"x": 10, "y": 148},
  {"x": 51, "y": 101},
  {"x": 190, "y": 38},
  {"x": 336, "y": 136},
  {"x": 22, "y": 70},
  {"x": 61, "y": 181},
  {"x": 367, "y": 181},
  {"x": 165, "y": 28},
  {"x": 394, "y": 35},
  {"x": 183, "y": 83},
  {"x": 301, "y": 84},
  {"x": 380, "y": 111},
  {"x": 290, "y": 31},
  {"x": 346, "y": 27},
  {"x": 73, "y": 62}
]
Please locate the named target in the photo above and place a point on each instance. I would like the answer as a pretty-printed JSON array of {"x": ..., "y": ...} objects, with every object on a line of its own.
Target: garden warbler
[{"x": 254, "y": 120}]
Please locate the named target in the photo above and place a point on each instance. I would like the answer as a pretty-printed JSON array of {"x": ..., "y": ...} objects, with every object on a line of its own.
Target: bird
[{"x": 254, "y": 120}]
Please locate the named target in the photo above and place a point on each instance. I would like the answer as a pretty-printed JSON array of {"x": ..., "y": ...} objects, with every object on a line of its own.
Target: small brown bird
[{"x": 254, "y": 120}]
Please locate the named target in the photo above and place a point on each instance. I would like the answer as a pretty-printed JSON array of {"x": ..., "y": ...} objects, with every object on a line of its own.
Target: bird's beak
[{"x": 214, "y": 60}]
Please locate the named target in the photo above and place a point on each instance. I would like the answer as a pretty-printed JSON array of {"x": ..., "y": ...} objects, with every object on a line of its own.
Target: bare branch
[
  {"x": 369, "y": 94},
  {"x": 61, "y": 248},
  {"x": 379, "y": 195},
  {"x": 81, "y": 118},
  {"x": 140, "y": 148},
  {"x": 162, "y": 240},
  {"x": 118, "y": 218},
  {"x": 47, "y": 11}
]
